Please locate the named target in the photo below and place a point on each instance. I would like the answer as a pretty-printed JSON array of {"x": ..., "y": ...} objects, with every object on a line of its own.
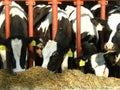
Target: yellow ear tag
[
  {"x": 81, "y": 63},
  {"x": 2, "y": 47},
  {"x": 33, "y": 43},
  {"x": 70, "y": 53}
]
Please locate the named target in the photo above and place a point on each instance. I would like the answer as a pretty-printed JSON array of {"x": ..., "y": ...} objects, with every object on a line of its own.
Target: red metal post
[
  {"x": 54, "y": 17},
  {"x": 7, "y": 16},
  {"x": 7, "y": 25},
  {"x": 103, "y": 4},
  {"x": 78, "y": 4},
  {"x": 30, "y": 4},
  {"x": 103, "y": 8}
]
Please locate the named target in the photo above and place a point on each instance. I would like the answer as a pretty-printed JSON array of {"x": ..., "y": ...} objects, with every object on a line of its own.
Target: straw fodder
[{"x": 36, "y": 78}]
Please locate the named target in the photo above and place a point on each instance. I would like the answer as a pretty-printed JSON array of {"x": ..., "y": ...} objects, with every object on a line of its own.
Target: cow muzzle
[{"x": 109, "y": 46}]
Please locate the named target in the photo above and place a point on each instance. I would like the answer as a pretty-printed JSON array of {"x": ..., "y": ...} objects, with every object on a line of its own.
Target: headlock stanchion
[
  {"x": 103, "y": 4},
  {"x": 7, "y": 3},
  {"x": 54, "y": 17},
  {"x": 78, "y": 4},
  {"x": 30, "y": 4},
  {"x": 54, "y": 3}
]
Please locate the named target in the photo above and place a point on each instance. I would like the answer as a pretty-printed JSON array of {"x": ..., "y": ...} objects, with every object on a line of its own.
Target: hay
[{"x": 36, "y": 78}]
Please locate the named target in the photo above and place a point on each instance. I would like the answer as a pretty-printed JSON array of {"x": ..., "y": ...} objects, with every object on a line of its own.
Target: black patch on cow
[{"x": 40, "y": 14}]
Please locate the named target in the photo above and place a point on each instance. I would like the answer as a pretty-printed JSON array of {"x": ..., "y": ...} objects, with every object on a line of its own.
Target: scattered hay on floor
[{"x": 38, "y": 77}]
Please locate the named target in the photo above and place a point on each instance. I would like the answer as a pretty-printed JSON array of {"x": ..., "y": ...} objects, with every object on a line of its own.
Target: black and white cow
[
  {"x": 89, "y": 34},
  {"x": 17, "y": 43},
  {"x": 53, "y": 51},
  {"x": 112, "y": 46}
]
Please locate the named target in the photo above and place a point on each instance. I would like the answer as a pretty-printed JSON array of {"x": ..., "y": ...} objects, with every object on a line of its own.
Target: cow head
[
  {"x": 99, "y": 65},
  {"x": 51, "y": 57},
  {"x": 113, "y": 43},
  {"x": 17, "y": 48}
]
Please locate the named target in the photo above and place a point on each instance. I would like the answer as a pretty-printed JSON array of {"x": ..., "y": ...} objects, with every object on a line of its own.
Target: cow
[
  {"x": 111, "y": 37},
  {"x": 111, "y": 46},
  {"x": 17, "y": 43},
  {"x": 89, "y": 36},
  {"x": 52, "y": 52}
]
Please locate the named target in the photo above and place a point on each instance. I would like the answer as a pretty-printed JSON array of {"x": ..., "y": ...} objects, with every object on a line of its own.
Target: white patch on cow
[
  {"x": 2, "y": 17},
  {"x": 86, "y": 24},
  {"x": 98, "y": 64},
  {"x": 40, "y": 6},
  {"x": 69, "y": 9},
  {"x": 47, "y": 51},
  {"x": 113, "y": 21},
  {"x": 61, "y": 14},
  {"x": 99, "y": 27},
  {"x": 95, "y": 7},
  {"x": 3, "y": 56},
  {"x": 45, "y": 24},
  {"x": 16, "y": 47},
  {"x": 16, "y": 9},
  {"x": 64, "y": 64},
  {"x": 117, "y": 59},
  {"x": 101, "y": 71},
  {"x": 72, "y": 10}
]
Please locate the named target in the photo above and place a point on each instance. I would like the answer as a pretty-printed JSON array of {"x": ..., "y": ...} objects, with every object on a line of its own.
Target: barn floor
[{"x": 37, "y": 78}]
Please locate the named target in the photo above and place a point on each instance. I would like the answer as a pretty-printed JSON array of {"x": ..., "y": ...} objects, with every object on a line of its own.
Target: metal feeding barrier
[{"x": 54, "y": 3}]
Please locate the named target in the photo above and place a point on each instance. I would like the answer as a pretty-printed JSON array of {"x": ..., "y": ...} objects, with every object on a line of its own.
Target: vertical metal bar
[
  {"x": 30, "y": 4},
  {"x": 103, "y": 8},
  {"x": 7, "y": 17},
  {"x": 7, "y": 25},
  {"x": 103, "y": 4},
  {"x": 54, "y": 17},
  {"x": 78, "y": 4}
]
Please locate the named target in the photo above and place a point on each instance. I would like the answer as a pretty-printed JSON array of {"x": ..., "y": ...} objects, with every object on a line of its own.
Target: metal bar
[
  {"x": 30, "y": 4},
  {"x": 7, "y": 17},
  {"x": 54, "y": 17},
  {"x": 103, "y": 4},
  {"x": 78, "y": 4},
  {"x": 7, "y": 3}
]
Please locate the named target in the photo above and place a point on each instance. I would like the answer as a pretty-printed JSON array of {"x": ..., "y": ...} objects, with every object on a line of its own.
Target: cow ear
[{"x": 96, "y": 20}]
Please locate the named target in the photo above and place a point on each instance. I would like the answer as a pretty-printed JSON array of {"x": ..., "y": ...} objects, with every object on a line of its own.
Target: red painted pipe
[
  {"x": 7, "y": 17},
  {"x": 78, "y": 4},
  {"x": 103, "y": 4},
  {"x": 54, "y": 17},
  {"x": 30, "y": 4},
  {"x": 6, "y": 3}
]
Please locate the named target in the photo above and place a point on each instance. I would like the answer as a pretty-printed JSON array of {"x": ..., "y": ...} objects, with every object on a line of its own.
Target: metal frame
[{"x": 31, "y": 3}]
